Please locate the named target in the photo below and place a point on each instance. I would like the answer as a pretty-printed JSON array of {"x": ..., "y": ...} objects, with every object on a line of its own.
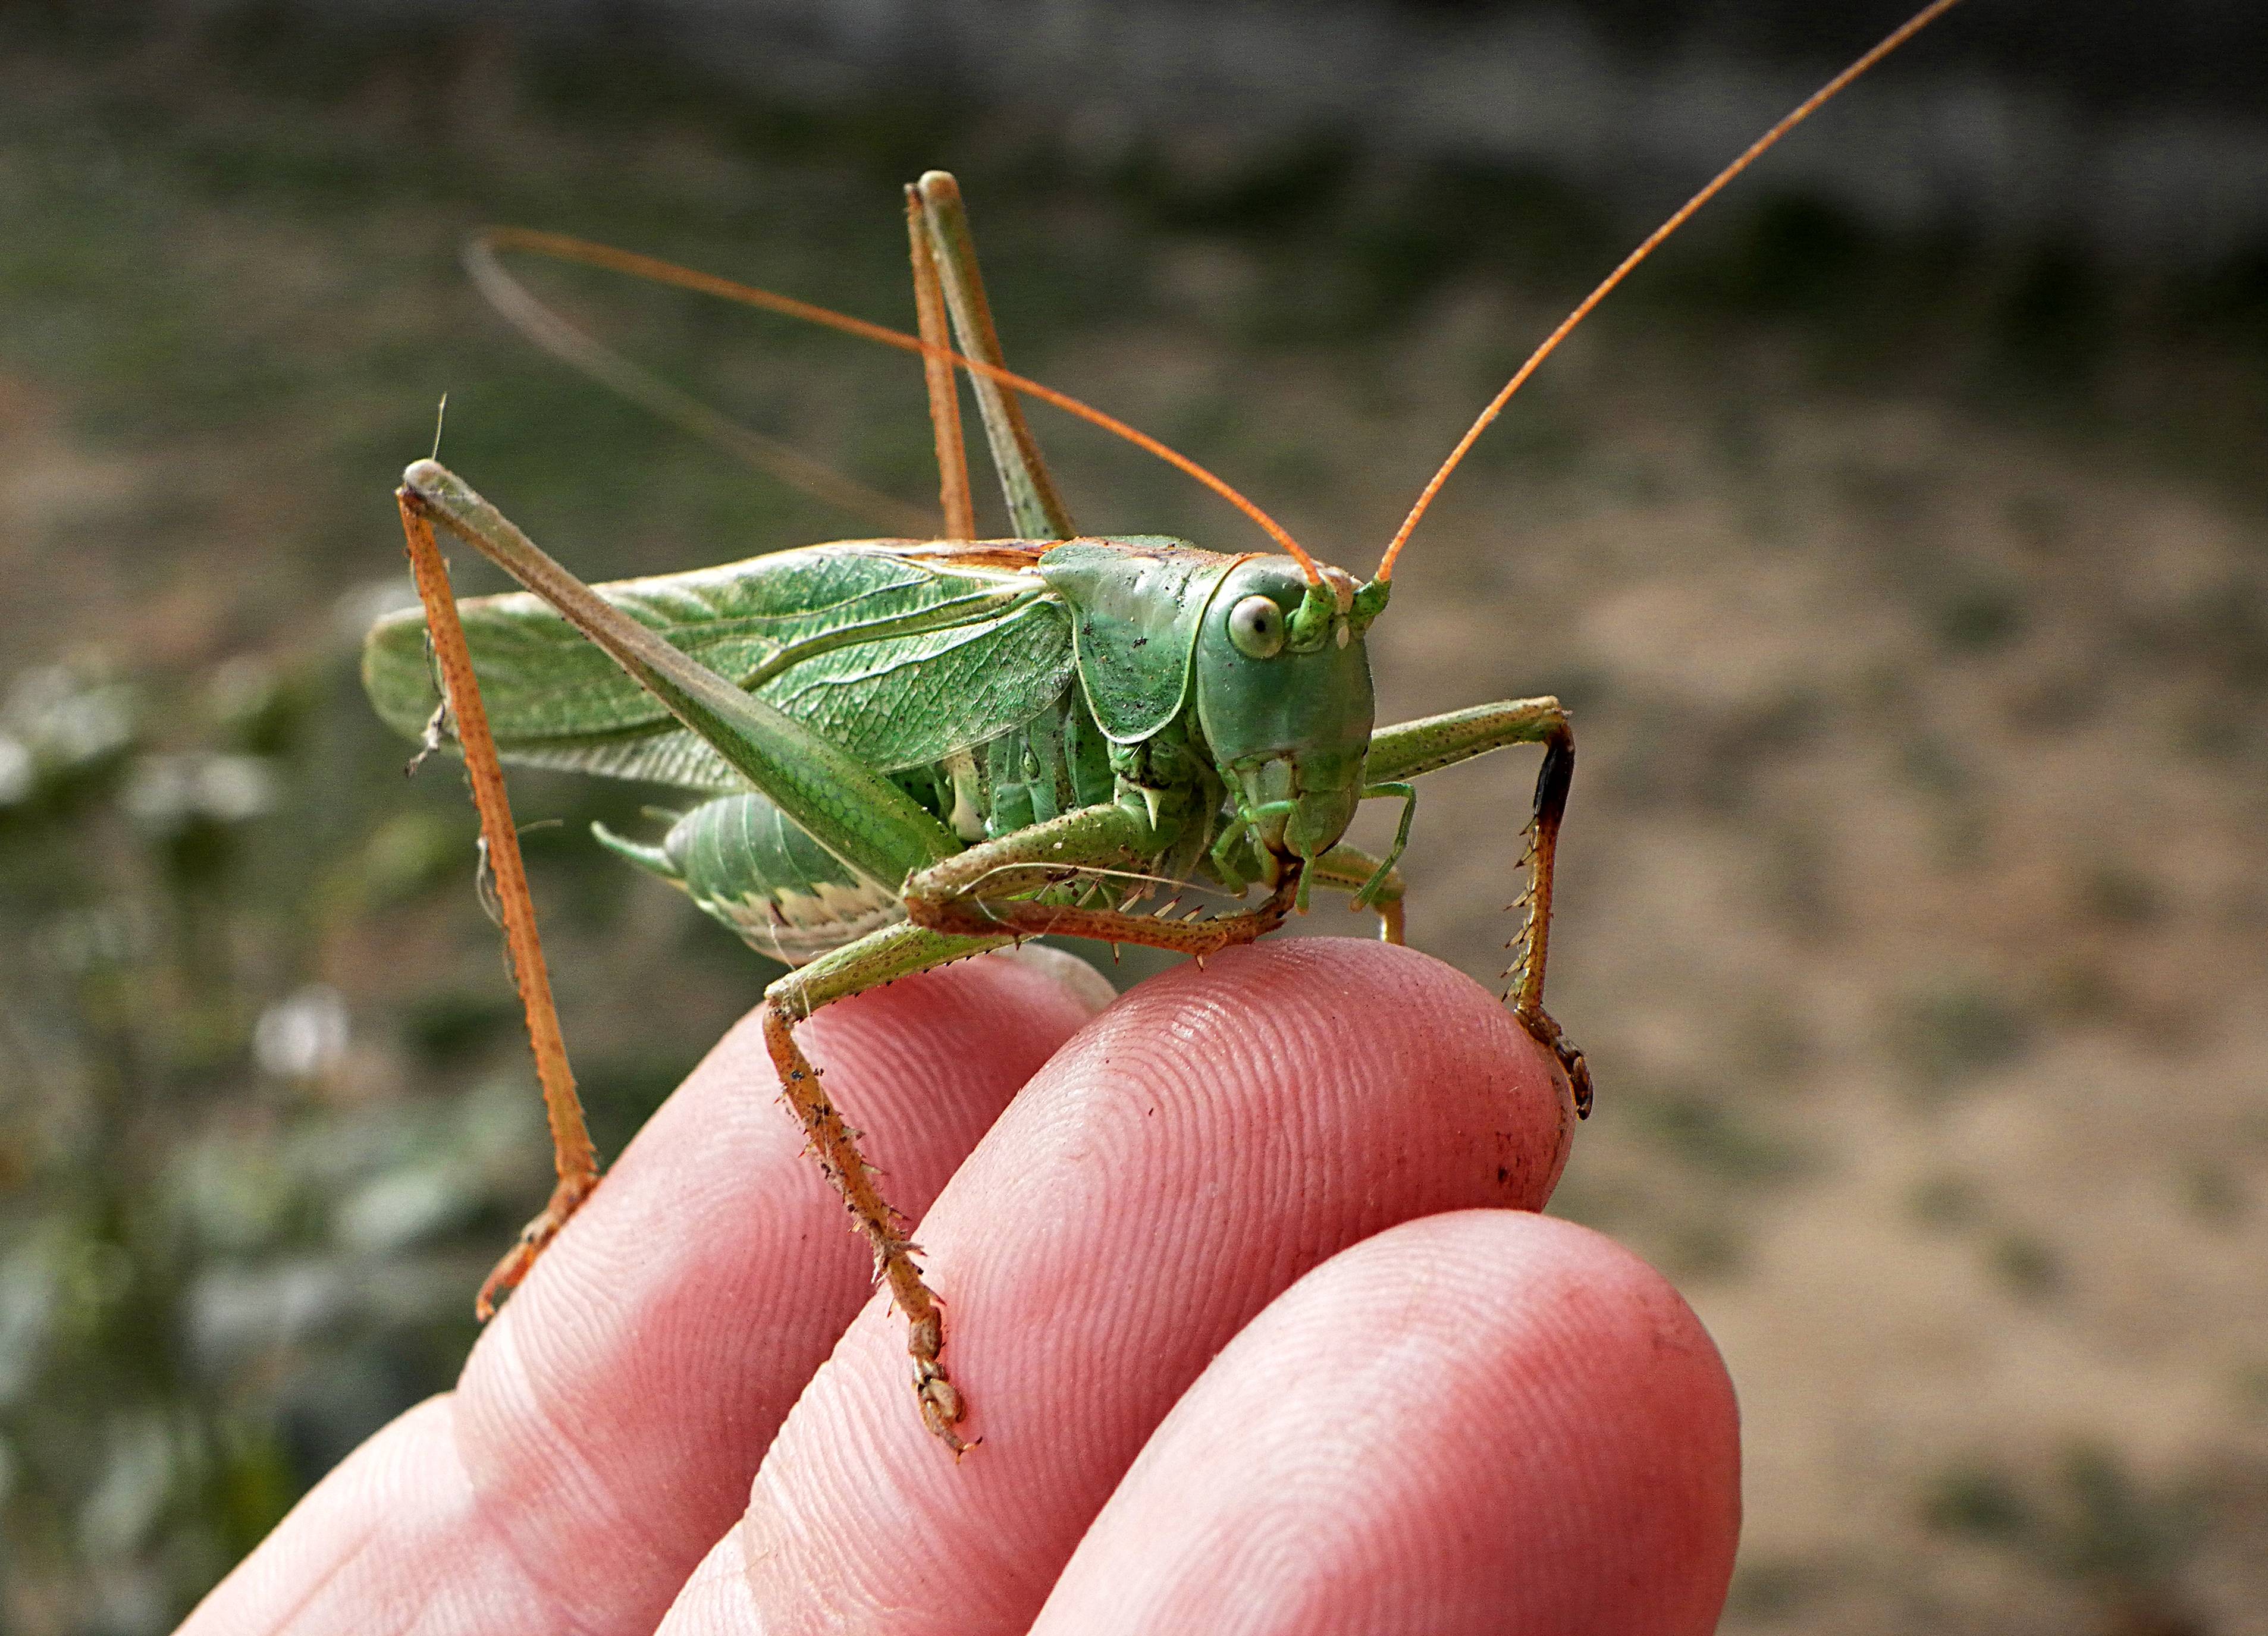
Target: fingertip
[
  {"x": 1482, "y": 1421},
  {"x": 1376, "y": 1049}
]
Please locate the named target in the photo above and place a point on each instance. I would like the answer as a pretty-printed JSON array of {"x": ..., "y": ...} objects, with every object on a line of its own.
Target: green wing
[{"x": 899, "y": 651}]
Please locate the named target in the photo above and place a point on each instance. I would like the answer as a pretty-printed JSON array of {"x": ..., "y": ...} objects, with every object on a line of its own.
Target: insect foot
[
  {"x": 566, "y": 1199},
  {"x": 941, "y": 1407},
  {"x": 1572, "y": 1060}
]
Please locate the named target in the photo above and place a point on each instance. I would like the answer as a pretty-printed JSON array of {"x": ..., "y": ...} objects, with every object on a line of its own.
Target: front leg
[
  {"x": 1412, "y": 748},
  {"x": 1350, "y": 870},
  {"x": 993, "y": 889}
]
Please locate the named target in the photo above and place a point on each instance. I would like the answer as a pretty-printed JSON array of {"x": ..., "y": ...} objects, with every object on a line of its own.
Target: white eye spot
[
  {"x": 1256, "y": 625},
  {"x": 1344, "y": 635}
]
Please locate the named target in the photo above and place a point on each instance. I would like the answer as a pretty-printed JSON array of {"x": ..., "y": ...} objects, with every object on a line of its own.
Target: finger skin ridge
[
  {"x": 1188, "y": 1156},
  {"x": 1521, "y": 1428}
]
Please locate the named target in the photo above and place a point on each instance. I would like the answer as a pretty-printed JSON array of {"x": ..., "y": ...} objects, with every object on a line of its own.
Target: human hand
[{"x": 1462, "y": 1416}]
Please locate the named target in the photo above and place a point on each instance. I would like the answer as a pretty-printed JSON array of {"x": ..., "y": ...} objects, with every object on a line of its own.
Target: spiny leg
[
  {"x": 992, "y": 888},
  {"x": 967, "y": 902},
  {"x": 844, "y": 805},
  {"x": 1412, "y": 748},
  {"x": 1552, "y": 781},
  {"x": 892, "y": 952}
]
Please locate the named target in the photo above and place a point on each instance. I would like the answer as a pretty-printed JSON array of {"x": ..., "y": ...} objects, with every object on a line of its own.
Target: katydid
[{"x": 909, "y": 751}]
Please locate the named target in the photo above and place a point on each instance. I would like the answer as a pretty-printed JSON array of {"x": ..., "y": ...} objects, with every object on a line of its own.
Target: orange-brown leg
[
  {"x": 892, "y": 952},
  {"x": 1035, "y": 510},
  {"x": 575, "y": 1159},
  {"x": 937, "y": 376},
  {"x": 1527, "y": 997},
  {"x": 988, "y": 889}
]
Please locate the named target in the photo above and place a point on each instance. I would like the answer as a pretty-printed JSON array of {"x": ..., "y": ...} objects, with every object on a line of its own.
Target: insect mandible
[{"x": 910, "y": 752}]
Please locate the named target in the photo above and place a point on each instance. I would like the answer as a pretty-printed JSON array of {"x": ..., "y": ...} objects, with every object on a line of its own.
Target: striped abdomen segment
[{"x": 779, "y": 891}]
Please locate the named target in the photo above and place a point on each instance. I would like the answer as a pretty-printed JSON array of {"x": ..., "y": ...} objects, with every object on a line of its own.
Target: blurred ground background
[{"x": 1898, "y": 538}]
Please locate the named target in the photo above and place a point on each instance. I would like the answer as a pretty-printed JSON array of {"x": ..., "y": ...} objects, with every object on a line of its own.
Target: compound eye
[{"x": 1256, "y": 625}]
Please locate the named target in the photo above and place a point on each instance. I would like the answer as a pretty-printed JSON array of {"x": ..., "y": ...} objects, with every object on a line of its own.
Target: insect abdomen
[
  {"x": 747, "y": 866},
  {"x": 779, "y": 891}
]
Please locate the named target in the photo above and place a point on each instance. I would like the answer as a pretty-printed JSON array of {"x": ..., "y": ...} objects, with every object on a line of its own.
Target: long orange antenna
[
  {"x": 563, "y": 248},
  {"x": 1809, "y": 105}
]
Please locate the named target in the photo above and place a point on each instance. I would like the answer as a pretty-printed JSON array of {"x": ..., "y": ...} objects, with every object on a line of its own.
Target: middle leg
[{"x": 892, "y": 952}]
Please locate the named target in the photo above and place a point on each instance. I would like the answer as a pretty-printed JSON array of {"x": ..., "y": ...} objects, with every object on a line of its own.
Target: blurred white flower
[
  {"x": 302, "y": 1037},
  {"x": 408, "y": 1206},
  {"x": 15, "y": 771},
  {"x": 172, "y": 789},
  {"x": 66, "y": 718}
]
